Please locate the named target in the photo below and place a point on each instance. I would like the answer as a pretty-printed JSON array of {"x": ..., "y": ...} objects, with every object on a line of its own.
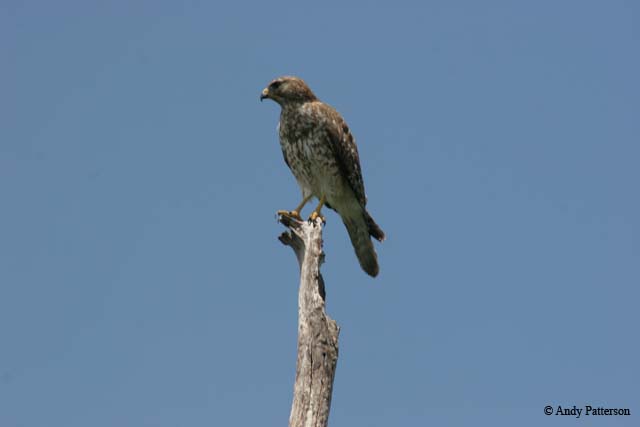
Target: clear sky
[{"x": 141, "y": 280}]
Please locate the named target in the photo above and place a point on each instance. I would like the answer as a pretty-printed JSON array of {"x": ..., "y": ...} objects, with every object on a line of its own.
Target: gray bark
[{"x": 317, "y": 332}]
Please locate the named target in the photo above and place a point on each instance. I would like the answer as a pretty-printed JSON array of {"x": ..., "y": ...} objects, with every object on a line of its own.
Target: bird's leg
[
  {"x": 296, "y": 212},
  {"x": 302, "y": 203},
  {"x": 316, "y": 212}
]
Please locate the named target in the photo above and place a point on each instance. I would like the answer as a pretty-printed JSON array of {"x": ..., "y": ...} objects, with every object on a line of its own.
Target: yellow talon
[
  {"x": 315, "y": 215},
  {"x": 296, "y": 212},
  {"x": 316, "y": 212},
  {"x": 291, "y": 214}
]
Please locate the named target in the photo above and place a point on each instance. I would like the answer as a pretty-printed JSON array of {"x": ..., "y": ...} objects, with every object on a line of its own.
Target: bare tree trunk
[{"x": 317, "y": 332}]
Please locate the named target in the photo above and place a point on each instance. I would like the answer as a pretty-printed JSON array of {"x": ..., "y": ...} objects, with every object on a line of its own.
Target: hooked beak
[{"x": 265, "y": 93}]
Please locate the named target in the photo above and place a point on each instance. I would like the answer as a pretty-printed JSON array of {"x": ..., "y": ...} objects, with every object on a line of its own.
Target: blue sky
[{"x": 141, "y": 281}]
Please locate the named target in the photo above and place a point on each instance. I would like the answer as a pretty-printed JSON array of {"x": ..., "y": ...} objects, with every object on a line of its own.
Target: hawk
[{"x": 321, "y": 152}]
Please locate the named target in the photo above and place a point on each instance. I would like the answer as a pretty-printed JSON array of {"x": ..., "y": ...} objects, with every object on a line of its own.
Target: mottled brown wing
[{"x": 345, "y": 150}]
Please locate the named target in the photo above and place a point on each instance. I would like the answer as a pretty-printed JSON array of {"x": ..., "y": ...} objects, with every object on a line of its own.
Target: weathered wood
[{"x": 317, "y": 332}]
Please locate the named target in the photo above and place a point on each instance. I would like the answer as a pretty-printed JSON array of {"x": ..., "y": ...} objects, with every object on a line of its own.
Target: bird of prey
[{"x": 321, "y": 152}]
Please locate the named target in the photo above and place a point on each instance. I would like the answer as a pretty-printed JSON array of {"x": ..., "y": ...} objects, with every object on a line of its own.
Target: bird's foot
[
  {"x": 315, "y": 215},
  {"x": 290, "y": 214}
]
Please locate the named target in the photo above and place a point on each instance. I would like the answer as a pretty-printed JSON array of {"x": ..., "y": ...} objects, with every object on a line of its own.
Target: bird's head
[{"x": 288, "y": 90}]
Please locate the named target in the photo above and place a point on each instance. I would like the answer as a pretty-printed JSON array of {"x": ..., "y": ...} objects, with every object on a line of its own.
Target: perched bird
[{"x": 322, "y": 154}]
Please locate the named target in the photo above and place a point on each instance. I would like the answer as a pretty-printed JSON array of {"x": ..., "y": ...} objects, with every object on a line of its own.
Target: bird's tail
[
  {"x": 361, "y": 227},
  {"x": 374, "y": 229}
]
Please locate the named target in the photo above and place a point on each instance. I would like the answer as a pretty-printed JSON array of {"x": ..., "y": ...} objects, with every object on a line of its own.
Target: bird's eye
[{"x": 276, "y": 84}]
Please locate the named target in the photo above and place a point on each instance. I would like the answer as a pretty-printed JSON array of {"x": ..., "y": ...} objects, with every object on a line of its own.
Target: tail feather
[
  {"x": 360, "y": 227},
  {"x": 374, "y": 229}
]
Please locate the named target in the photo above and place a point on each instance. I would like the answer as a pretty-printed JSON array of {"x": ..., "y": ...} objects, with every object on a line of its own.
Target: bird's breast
[
  {"x": 306, "y": 146},
  {"x": 312, "y": 163}
]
